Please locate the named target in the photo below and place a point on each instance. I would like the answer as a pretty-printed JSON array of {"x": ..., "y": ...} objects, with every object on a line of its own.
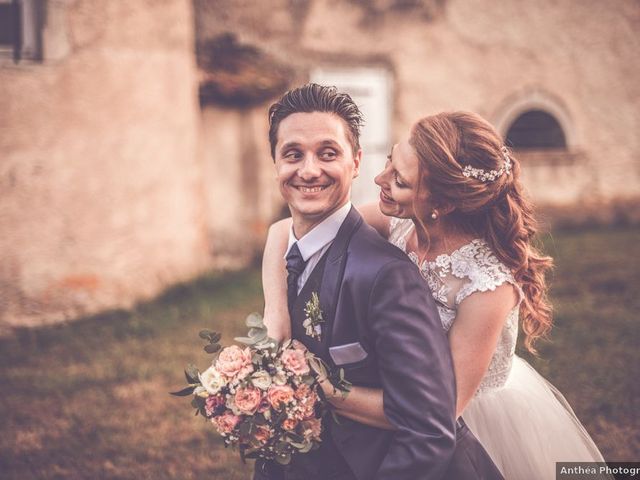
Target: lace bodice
[{"x": 453, "y": 277}]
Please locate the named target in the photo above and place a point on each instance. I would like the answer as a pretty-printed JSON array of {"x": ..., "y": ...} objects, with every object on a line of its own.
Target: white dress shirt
[{"x": 315, "y": 243}]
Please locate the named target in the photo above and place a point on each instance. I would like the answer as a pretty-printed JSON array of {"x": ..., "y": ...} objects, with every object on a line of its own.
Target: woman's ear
[{"x": 446, "y": 209}]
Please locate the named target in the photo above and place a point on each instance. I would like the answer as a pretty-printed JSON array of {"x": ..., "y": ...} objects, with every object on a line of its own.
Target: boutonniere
[{"x": 313, "y": 317}]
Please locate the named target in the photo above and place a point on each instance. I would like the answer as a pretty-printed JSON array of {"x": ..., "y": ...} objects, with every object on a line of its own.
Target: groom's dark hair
[{"x": 316, "y": 98}]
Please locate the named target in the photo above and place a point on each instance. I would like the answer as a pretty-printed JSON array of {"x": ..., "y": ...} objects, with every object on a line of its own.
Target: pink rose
[
  {"x": 247, "y": 400},
  {"x": 226, "y": 422},
  {"x": 279, "y": 395},
  {"x": 263, "y": 434},
  {"x": 303, "y": 391},
  {"x": 305, "y": 409},
  {"x": 212, "y": 403},
  {"x": 312, "y": 428},
  {"x": 233, "y": 362},
  {"x": 290, "y": 424},
  {"x": 294, "y": 360},
  {"x": 307, "y": 398}
]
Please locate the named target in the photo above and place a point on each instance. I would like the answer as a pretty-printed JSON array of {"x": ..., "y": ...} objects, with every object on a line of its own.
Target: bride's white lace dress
[{"x": 523, "y": 421}]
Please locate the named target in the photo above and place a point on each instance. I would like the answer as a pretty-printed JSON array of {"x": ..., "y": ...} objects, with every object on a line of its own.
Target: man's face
[{"x": 315, "y": 164}]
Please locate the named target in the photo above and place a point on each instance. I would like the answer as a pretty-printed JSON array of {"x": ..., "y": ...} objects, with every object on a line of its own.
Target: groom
[{"x": 379, "y": 321}]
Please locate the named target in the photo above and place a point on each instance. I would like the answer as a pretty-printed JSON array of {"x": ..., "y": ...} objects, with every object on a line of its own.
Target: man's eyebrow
[
  {"x": 332, "y": 143},
  {"x": 290, "y": 145}
]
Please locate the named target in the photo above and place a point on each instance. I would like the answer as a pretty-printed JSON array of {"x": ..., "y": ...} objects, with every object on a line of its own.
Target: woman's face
[{"x": 399, "y": 182}]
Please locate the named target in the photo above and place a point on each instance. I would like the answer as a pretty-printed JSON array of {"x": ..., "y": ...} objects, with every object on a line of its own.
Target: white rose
[
  {"x": 280, "y": 378},
  {"x": 211, "y": 380},
  {"x": 261, "y": 380},
  {"x": 231, "y": 405}
]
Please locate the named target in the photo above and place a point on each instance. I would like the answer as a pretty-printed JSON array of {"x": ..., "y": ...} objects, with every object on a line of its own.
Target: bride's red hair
[{"x": 496, "y": 211}]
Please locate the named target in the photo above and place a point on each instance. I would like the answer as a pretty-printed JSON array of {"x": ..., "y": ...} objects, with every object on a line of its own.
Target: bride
[{"x": 451, "y": 199}]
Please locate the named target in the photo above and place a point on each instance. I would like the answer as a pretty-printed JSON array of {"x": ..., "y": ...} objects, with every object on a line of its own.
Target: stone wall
[{"x": 102, "y": 200}]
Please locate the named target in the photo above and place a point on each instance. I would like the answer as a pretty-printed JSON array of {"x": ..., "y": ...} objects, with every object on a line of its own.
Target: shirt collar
[{"x": 321, "y": 234}]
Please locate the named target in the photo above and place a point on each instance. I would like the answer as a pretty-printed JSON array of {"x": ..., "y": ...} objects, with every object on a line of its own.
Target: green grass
[
  {"x": 592, "y": 356},
  {"x": 89, "y": 399}
]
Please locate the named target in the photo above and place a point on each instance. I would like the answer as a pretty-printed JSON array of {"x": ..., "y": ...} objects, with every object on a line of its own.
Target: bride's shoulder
[
  {"x": 479, "y": 264},
  {"x": 398, "y": 230}
]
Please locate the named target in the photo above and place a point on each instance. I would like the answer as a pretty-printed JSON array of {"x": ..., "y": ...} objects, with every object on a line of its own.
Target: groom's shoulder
[{"x": 367, "y": 247}]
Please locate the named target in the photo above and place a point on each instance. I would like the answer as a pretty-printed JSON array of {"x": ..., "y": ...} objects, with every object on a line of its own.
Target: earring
[{"x": 434, "y": 214}]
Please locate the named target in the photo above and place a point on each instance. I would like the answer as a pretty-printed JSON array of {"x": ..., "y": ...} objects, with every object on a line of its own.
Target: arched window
[{"x": 536, "y": 129}]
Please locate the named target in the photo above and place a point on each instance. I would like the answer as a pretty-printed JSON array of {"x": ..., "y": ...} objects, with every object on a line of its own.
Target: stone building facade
[
  {"x": 102, "y": 201},
  {"x": 134, "y": 153}
]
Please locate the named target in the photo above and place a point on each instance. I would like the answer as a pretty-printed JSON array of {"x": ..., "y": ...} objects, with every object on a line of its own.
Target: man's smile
[{"x": 311, "y": 188}]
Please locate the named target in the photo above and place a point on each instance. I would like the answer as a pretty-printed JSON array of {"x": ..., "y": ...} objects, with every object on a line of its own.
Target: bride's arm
[
  {"x": 473, "y": 340},
  {"x": 274, "y": 281},
  {"x": 363, "y": 405},
  {"x": 373, "y": 216},
  {"x": 474, "y": 336}
]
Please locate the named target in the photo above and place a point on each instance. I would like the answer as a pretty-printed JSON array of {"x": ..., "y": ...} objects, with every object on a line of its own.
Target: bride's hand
[{"x": 362, "y": 404}]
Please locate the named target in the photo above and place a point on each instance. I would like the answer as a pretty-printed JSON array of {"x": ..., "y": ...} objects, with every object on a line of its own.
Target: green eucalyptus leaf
[
  {"x": 191, "y": 374},
  {"x": 246, "y": 428},
  {"x": 284, "y": 459},
  {"x": 184, "y": 392},
  {"x": 212, "y": 348},
  {"x": 245, "y": 340},
  {"x": 206, "y": 334},
  {"x": 307, "y": 447},
  {"x": 259, "y": 419},
  {"x": 257, "y": 331},
  {"x": 259, "y": 336},
  {"x": 254, "y": 320},
  {"x": 215, "y": 338},
  {"x": 295, "y": 437}
]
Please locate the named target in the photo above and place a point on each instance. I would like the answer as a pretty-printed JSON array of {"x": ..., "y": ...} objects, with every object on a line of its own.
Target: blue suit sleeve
[{"x": 416, "y": 373}]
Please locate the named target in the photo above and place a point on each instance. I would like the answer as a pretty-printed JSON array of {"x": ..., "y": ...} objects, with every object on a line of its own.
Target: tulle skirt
[{"x": 527, "y": 426}]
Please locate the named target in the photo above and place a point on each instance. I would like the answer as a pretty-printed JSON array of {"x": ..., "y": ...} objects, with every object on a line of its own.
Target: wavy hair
[{"x": 496, "y": 211}]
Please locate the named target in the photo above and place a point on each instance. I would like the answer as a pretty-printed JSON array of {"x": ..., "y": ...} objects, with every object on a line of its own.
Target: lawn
[{"x": 89, "y": 399}]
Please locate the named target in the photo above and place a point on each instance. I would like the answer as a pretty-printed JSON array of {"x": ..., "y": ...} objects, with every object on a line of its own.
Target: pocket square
[{"x": 349, "y": 353}]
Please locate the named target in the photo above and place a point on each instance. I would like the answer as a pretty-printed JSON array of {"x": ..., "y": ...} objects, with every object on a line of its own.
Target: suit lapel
[{"x": 334, "y": 270}]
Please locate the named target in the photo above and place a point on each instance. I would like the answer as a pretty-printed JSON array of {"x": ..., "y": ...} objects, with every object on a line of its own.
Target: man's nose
[{"x": 310, "y": 168}]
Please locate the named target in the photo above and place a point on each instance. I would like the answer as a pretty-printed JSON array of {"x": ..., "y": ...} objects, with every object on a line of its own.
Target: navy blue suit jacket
[{"x": 373, "y": 295}]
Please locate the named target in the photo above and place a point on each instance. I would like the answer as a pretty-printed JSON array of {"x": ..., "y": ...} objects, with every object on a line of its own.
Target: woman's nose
[{"x": 380, "y": 178}]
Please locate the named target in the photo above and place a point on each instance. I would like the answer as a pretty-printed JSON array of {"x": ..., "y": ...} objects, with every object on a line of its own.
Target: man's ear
[{"x": 356, "y": 163}]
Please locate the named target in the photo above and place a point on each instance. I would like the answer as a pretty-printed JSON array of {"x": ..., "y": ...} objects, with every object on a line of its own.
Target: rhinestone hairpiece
[{"x": 489, "y": 175}]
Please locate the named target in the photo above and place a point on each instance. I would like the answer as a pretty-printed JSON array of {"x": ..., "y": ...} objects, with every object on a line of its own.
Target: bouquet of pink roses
[{"x": 262, "y": 398}]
